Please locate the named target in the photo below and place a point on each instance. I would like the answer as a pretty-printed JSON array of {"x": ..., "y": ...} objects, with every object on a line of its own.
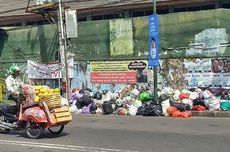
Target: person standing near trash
[{"x": 13, "y": 84}]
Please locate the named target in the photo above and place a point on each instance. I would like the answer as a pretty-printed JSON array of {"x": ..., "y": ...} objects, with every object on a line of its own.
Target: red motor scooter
[{"x": 34, "y": 118}]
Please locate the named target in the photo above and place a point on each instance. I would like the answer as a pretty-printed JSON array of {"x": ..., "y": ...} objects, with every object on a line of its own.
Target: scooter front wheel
[
  {"x": 56, "y": 129},
  {"x": 33, "y": 130}
]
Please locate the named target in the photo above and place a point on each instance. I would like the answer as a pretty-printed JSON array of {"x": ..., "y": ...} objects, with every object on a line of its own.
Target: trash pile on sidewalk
[{"x": 138, "y": 100}]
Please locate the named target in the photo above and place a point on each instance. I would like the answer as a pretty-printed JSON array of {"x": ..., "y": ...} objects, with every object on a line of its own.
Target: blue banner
[{"x": 153, "y": 57}]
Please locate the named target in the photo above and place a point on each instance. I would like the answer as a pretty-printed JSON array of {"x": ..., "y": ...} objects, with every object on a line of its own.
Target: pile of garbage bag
[{"x": 138, "y": 100}]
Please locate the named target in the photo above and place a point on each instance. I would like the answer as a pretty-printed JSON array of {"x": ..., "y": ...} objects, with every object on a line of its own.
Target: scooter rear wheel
[
  {"x": 33, "y": 130},
  {"x": 56, "y": 129}
]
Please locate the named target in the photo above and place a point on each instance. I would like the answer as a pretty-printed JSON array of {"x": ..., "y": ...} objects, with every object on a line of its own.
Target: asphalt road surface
[{"x": 100, "y": 133}]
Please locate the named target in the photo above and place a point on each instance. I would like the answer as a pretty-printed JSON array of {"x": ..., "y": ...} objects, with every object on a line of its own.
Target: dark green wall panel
[
  {"x": 92, "y": 41},
  {"x": 36, "y": 43}
]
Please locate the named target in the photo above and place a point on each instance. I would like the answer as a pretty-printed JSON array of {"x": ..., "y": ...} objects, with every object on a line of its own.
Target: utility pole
[
  {"x": 155, "y": 67},
  {"x": 62, "y": 49}
]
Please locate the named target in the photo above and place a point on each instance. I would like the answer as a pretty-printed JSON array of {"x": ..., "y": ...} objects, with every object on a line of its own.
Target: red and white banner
[
  {"x": 118, "y": 72},
  {"x": 113, "y": 77}
]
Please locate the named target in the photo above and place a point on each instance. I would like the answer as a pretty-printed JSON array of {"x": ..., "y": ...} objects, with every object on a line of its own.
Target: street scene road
[
  {"x": 137, "y": 75},
  {"x": 112, "y": 133}
]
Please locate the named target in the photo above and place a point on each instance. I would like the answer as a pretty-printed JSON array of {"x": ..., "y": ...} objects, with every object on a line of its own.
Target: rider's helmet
[{"x": 14, "y": 69}]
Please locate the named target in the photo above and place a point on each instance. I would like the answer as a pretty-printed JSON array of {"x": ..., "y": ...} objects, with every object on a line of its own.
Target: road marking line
[{"x": 63, "y": 147}]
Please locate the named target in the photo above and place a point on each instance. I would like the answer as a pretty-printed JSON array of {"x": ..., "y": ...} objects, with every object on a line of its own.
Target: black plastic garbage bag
[
  {"x": 180, "y": 106},
  {"x": 225, "y": 96},
  {"x": 140, "y": 110},
  {"x": 93, "y": 108},
  {"x": 107, "y": 107},
  {"x": 201, "y": 102},
  {"x": 84, "y": 101},
  {"x": 152, "y": 109},
  {"x": 98, "y": 95},
  {"x": 163, "y": 97}
]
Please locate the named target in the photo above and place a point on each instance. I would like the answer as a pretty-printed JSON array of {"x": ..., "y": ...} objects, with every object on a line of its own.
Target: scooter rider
[{"x": 13, "y": 84}]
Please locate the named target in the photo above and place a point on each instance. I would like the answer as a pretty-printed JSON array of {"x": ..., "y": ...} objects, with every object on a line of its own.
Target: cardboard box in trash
[{"x": 61, "y": 115}]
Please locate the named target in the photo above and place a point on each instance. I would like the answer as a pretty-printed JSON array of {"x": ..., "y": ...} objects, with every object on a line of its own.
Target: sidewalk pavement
[{"x": 211, "y": 114}]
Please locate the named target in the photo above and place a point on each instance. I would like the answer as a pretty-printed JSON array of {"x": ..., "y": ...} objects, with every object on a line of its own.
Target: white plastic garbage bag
[
  {"x": 193, "y": 95},
  {"x": 168, "y": 91},
  {"x": 137, "y": 103},
  {"x": 73, "y": 108},
  {"x": 187, "y": 101},
  {"x": 165, "y": 105},
  {"x": 176, "y": 95},
  {"x": 213, "y": 104},
  {"x": 132, "y": 110},
  {"x": 134, "y": 93},
  {"x": 119, "y": 102},
  {"x": 207, "y": 94},
  {"x": 64, "y": 102}
]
